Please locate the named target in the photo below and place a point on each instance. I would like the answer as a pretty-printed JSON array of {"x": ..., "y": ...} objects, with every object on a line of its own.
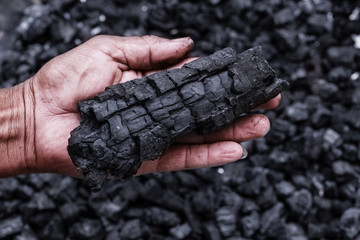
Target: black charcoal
[
  {"x": 249, "y": 206},
  {"x": 211, "y": 231},
  {"x": 321, "y": 117},
  {"x": 181, "y": 231},
  {"x": 342, "y": 55},
  {"x": 87, "y": 229},
  {"x": 295, "y": 232},
  {"x": 209, "y": 94},
  {"x": 319, "y": 23},
  {"x": 284, "y": 188},
  {"x": 70, "y": 211},
  {"x": 250, "y": 224},
  {"x": 54, "y": 229},
  {"x": 134, "y": 229},
  {"x": 297, "y": 112},
  {"x": 270, "y": 218},
  {"x": 10, "y": 226},
  {"x": 267, "y": 198},
  {"x": 324, "y": 88},
  {"x": 350, "y": 222},
  {"x": 40, "y": 201},
  {"x": 284, "y": 16},
  {"x": 332, "y": 138},
  {"x": 226, "y": 221},
  {"x": 161, "y": 217},
  {"x": 343, "y": 170},
  {"x": 300, "y": 202},
  {"x": 26, "y": 234}
]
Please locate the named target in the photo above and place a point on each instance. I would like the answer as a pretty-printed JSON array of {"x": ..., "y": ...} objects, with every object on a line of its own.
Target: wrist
[{"x": 17, "y": 148}]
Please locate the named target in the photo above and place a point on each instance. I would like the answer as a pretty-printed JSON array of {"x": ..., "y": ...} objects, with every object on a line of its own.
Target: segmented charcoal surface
[{"x": 137, "y": 120}]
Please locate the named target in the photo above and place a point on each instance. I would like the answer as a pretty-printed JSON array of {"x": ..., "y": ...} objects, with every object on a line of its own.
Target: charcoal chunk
[
  {"x": 181, "y": 231},
  {"x": 211, "y": 231},
  {"x": 134, "y": 229},
  {"x": 284, "y": 188},
  {"x": 40, "y": 201},
  {"x": 137, "y": 120},
  {"x": 250, "y": 224},
  {"x": 226, "y": 220},
  {"x": 10, "y": 226},
  {"x": 161, "y": 217},
  {"x": 87, "y": 229},
  {"x": 270, "y": 218},
  {"x": 350, "y": 222},
  {"x": 300, "y": 202}
]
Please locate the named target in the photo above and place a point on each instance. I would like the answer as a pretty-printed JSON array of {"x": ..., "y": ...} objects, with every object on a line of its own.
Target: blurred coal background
[{"x": 299, "y": 182}]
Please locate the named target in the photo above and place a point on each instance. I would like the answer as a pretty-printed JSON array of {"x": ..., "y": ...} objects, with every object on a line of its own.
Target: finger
[
  {"x": 180, "y": 157},
  {"x": 273, "y": 103},
  {"x": 150, "y": 52},
  {"x": 243, "y": 129}
]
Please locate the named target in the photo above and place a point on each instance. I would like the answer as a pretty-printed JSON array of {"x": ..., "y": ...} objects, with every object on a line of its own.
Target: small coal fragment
[
  {"x": 134, "y": 229},
  {"x": 153, "y": 192},
  {"x": 161, "y": 217},
  {"x": 350, "y": 222},
  {"x": 300, "y": 202},
  {"x": 284, "y": 16},
  {"x": 331, "y": 138},
  {"x": 319, "y": 23},
  {"x": 211, "y": 232},
  {"x": 26, "y": 234},
  {"x": 321, "y": 117},
  {"x": 70, "y": 211},
  {"x": 343, "y": 171},
  {"x": 295, "y": 232},
  {"x": 342, "y": 55},
  {"x": 226, "y": 221},
  {"x": 10, "y": 226},
  {"x": 267, "y": 198},
  {"x": 284, "y": 188},
  {"x": 297, "y": 112},
  {"x": 54, "y": 230},
  {"x": 208, "y": 94},
  {"x": 40, "y": 201},
  {"x": 181, "y": 231},
  {"x": 250, "y": 224},
  {"x": 324, "y": 88},
  {"x": 87, "y": 229},
  {"x": 271, "y": 222}
]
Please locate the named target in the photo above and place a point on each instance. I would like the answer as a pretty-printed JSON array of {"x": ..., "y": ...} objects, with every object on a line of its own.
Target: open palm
[{"x": 106, "y": 60}]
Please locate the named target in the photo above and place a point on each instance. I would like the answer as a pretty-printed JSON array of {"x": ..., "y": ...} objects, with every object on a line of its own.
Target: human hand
[{"x": 51, "y": 98}]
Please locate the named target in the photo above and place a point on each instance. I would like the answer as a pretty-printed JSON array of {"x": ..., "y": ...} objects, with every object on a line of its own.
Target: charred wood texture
[{"x": 137, "y": 120}]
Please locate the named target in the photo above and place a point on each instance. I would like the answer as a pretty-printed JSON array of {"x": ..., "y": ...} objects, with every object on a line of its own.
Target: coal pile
[{"x": 299, "y": 182}]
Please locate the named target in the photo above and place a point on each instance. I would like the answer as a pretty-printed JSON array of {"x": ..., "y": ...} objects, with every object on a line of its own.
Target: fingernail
[
  {"x": 186, "y": 40},
  {"x": 183, "y": 39},
  {"x": 244, "y": 154}
]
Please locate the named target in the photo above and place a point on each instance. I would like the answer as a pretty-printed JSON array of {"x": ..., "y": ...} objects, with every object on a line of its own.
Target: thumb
[{"x": 151, "y": 52}]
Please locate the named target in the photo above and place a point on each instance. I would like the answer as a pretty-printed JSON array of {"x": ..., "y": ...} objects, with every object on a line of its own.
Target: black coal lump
[
  {"x": 203, "y": 96},
  {"x": 10, "y": 226},
  {"x": 87, "y": 229}
]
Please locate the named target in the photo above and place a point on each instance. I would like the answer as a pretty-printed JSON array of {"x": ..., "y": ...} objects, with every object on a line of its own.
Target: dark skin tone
[{"x": 41, "y": 112}]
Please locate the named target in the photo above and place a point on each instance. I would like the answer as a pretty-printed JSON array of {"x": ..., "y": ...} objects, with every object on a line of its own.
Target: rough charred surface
[{"x": 137, "y": 120}]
